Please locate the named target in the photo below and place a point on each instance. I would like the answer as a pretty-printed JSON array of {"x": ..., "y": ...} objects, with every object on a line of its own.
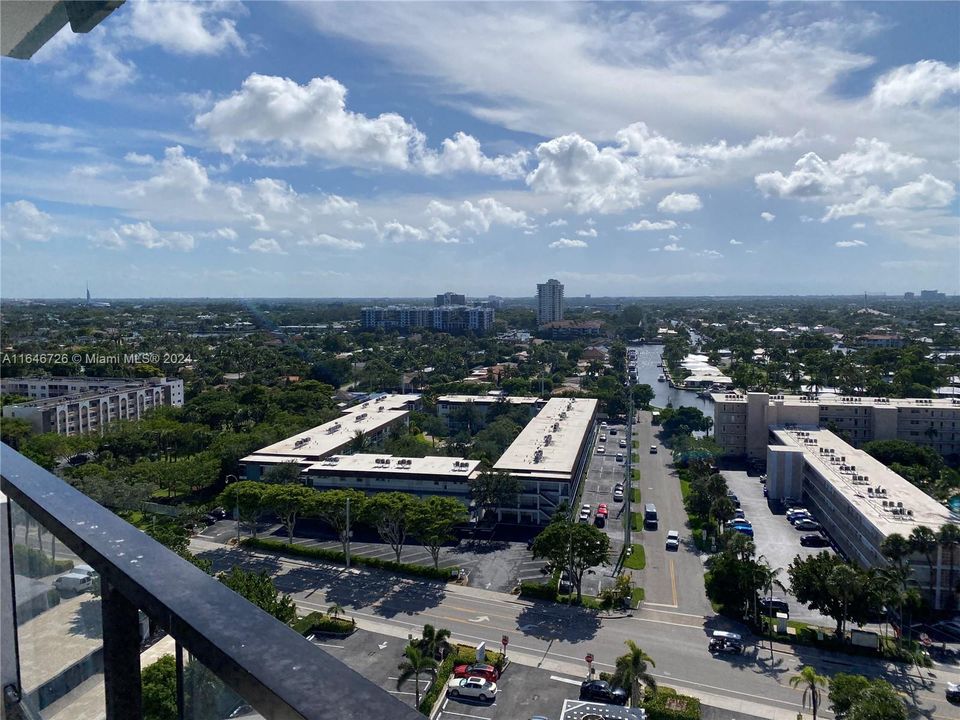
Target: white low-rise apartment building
[
  {"x": 549, "y": 457},
  {"x": 741, "y": 422},
  {"x": 81, "y": 405},
  {"x": 860, "y": 502}
]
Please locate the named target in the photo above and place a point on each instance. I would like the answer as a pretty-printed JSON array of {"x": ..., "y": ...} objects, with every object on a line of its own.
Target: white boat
[{"x": 661, "y": 378}]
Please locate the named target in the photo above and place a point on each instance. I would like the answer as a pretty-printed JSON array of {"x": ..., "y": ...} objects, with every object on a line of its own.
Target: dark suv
[
  {"x": 771, "y": 606},
  {"x": 602, "y": 691}
]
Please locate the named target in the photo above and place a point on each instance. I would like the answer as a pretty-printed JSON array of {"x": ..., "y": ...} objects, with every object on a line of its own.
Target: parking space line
[
  {"x": 479, "y": 717},
  {"x": 569, "y": 681}
]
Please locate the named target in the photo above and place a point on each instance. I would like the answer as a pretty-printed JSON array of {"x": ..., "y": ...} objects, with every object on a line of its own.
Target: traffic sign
[
  {"x": 589, "y": 657},
  {"x": 505, "y": 640}
]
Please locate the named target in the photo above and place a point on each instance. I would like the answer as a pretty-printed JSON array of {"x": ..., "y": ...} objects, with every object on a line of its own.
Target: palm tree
[
  {"x": 924, "y": 541},
  {"x": 811, "y": 683},
  {"x": 632, "y": 672},
  {"x": 435, "y": 641},
  {"x": 949, "y": 537},
  {"x": 413, "y": 665},
  {"x": 335, "y": 610},
  {"x": 766, "y": 577},
  {"x": 358, "y": 442}
]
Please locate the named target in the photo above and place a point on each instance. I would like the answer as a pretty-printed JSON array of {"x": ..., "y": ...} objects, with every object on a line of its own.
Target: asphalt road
[
  {"x": 556, "y": 637},
  {"x": 672, "y": 579}
]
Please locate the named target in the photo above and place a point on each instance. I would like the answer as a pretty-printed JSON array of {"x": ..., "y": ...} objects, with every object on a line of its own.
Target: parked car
[
  {"x": 619, "y": 457},
  {"x": 806, "y": 524},
  {"x": 623, "y": 443},
  {"x": 673, "y": 540},
  {"x": 618, "y": 494},
  {"x": 476, "y": 687},
  {"x": 794, "y": 513},
  {"x": 814, "y": 540},
  {"x": 602, "y": 691},
  {"x": 219, "y": 513},
  {"x": 739, "y": 514},
  {"x": 771, "y": 606},
  {"x": 601, "y": 450},
  {"x": 742, "y": 522},
  {"x": 481, "y": 670},
  {"x": 602, "y": 509},
  {"x": 74, "y": 582},
  {"x": 584, "y": 513},
  {"x": 733, "y": 498},
  {"x": 953, "y": 692},
  {"x": 653, "y": 449},
  {"x": 743, "y": 530},
  {"x": 603, "y": 438},
  {"x": 613, "y": 431}
]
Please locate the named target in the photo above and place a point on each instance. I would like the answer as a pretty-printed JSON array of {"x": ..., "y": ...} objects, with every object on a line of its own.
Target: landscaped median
[
  {"x": 459, "y": 655},
  {"x": 336, "y": 556}
]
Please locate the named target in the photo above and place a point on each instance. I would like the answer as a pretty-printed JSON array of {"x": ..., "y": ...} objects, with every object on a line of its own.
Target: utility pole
[
  {"x": 627, "y": 526},
  {"x": 347, "y": 543}
]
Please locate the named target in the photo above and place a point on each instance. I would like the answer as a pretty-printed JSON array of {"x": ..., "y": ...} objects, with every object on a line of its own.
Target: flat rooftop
[
  {"x": 858, "y": 476},
  {"x": 390, "y": 465},
  {"x": 489, "y": 399},
  {"x": 566, "y": 421},
  {"x": 836, "y": 400},
  {"x": 322, "y": 440}
]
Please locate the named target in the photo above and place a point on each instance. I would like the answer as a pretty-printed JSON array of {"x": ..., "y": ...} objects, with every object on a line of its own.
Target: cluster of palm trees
[{"x": 423, "y": 657}]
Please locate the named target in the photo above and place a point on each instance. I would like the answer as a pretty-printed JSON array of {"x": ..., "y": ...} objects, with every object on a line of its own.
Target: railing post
[{"x": 121, "y": 655}]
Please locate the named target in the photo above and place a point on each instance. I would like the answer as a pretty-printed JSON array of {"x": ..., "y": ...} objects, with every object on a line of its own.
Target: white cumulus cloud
[
  {"x": 850, "y": 243},
  {"x": 185, "y": 28},
  {"x": 734, "y": 241},
  {"x": 767, "y": 216},
  {"x": 267, "y": 246},
  {"x": 673, "y": 247},
  {"x": 324, "y": 240},
  {"x": 645, "y": 225},
  {"x": 22, "y": 220},
  {"x": 921, "y": 83},
  {"x": 680, "y": 203},
  {"x": 589, "y": 232},
  {"x": 567, "y": 243}
]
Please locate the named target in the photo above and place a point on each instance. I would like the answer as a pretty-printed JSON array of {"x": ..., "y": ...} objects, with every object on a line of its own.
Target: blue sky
[{"x": 366, "y": 150}]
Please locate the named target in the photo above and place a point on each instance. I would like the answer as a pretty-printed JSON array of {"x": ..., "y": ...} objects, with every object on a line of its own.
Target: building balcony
[{"x": 72, "y": 648}]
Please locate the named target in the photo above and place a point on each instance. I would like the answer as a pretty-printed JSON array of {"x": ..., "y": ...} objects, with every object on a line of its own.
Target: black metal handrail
[{"x": 280, "y": 673}]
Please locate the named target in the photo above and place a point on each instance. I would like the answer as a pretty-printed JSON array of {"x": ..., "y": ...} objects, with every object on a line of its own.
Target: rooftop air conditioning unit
[
  {"x": 899, "y": 504},
  {"x": 884, "y": 503}
]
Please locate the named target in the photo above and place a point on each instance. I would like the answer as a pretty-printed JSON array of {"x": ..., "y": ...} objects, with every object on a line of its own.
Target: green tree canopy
[
  {"x": 259, "y": 588},
  {"x": 339, "y": 509},
  {"x": 392, "y": 513},
  {"x": 575, "y": 546},
  {"x": 289, "y": 502},
  {"x": 433, "y": 523}
]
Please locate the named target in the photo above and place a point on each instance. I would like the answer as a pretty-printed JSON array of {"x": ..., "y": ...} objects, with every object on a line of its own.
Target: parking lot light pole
[{"x": 236, "y": 506}]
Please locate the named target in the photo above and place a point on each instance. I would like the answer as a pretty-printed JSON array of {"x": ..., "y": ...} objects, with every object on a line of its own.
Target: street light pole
[{"x": 236, "y": 506}]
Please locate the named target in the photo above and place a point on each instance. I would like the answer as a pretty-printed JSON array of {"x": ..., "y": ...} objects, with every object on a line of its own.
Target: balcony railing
[{"x": 274, "y": 670}]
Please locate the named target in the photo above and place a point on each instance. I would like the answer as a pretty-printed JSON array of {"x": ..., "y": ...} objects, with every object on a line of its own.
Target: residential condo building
[
  {"x": 742, "y": 422},
  {"x": 460, "y": 411},
  {"x": 80, "y": 405},
  {"x": 549, "y": 302},
  {"x": 445, "y": 318},
  {"x": 449, "y": 298},
  {"x": 860, "y": 502}
]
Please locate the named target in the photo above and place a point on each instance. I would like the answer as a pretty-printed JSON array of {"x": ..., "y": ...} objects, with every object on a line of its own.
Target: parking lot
[
  {"x": 604, "y": 472},
  {"x": 498, "y": 562},
  {"x": 523, "y": 691},
  {"x": 776, "y": 539}
]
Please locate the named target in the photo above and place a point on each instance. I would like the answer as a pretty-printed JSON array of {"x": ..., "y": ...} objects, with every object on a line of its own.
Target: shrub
[
  {"x": 336, "y": 556},
  {"x": 667, "y": 704},
  {"x": 540, "y": 591},
  {"x": 35, "y": 563},
  {"x": 318, "y": 622},
  {"x": 461, "y": 655}
]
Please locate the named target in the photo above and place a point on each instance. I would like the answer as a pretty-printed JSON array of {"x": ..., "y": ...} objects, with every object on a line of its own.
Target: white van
[{"x": 74, "y": 582}]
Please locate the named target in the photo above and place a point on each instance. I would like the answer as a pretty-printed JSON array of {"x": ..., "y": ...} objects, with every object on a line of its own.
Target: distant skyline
[{"x": 348, "y": 150}]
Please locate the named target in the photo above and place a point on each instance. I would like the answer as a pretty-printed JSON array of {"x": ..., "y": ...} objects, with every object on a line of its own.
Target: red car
[
  {"x": 602, "y": 509},
  {"x": 487, "y": 672}
]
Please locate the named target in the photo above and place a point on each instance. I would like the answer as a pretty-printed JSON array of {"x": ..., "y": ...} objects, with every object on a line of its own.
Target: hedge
[
  {"x": 540, "y": 591},
  {"x": 318, "y": 622},
  {"x": 35, "y": 563},
  {"x": 667, "y": 704},
  {"x": 336, "y": 556}
]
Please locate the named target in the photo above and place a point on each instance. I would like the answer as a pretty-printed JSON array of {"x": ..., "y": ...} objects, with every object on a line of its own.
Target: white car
[
  {"x": 584, "y": 513},
  {"x": 601, "y": 450},
  {"x": 673, "y": 540},
  {"x": 475, "y": 687},
  {"x": 623, "y": 443},
  {"x": 603, "y": 438},
  {"x": 618, "y": 494}
]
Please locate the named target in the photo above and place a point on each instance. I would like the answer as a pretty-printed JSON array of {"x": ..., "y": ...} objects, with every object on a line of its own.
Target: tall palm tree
[
  {"x": 413, "y": 665},
  {"x": 358, "y": 442},
  {"x": 335, "y": 610},
  {"x": 435, "y": 641},
  {"x": 632, "y": 672},
  {"x": 949, "y": 537},
  {"x": 811, "y": 683},
  {"x": 924, "y": 541}
]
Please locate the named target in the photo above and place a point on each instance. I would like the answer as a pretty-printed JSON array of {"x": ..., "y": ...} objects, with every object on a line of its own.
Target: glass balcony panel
[{"x": 59, "y": 625}]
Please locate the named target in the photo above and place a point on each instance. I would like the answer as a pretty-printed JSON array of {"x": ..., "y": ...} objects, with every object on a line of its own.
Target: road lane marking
[
  {"x": 569, "y": 681},
  {"x": 673, "y": 581}
]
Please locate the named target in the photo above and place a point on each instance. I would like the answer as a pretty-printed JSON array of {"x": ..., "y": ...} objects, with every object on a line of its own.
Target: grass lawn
[
  {"x": 684, "y": 489},
  {"x": 636, "y": 560},
  {"x": 635, "y": 475},
  {"x": 637, "y": 596},
  {"x": 637, "y": 520},
  {"x": 636, "y": 444},
  {"x": 635, "y": 495}
]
